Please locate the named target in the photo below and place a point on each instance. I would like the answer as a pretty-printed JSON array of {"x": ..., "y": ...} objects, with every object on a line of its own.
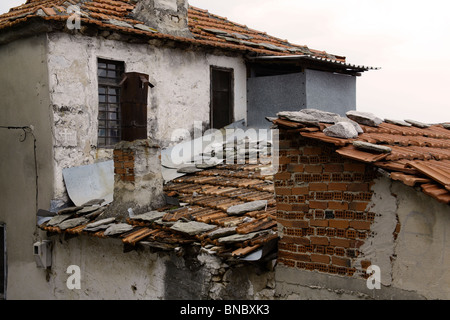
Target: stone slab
[
  {"x": 247, "y": 207},
  {"x": 192, "y": 228},
  {"x": 116, "y": 229},
  {"x": 364, "y": 118},
  {"x": 343, "y": 130}
]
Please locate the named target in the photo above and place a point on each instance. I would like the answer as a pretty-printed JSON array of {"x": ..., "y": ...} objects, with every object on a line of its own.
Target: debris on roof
[
  {"x": 229, "y": 210},
  {"x": 365, "y": 118},
  {"x": 413, "y": 152},
  {"x": 341, "y": 130}
]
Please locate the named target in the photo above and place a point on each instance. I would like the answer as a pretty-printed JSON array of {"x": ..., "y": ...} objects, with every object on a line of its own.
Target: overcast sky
[{"x": 408, "y": 39}]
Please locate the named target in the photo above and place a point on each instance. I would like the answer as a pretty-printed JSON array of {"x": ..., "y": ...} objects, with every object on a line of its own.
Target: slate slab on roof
[
  {"x": 415, "y": 153},
  {"x": 207, "y": 29},
  {"x": 200, "y": 218}
]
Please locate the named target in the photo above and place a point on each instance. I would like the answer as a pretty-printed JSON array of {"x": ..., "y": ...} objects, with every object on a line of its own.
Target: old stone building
[{"x": 68, "y": 102}]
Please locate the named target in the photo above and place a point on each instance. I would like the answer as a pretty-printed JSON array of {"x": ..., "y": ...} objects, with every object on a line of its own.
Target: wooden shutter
[{"x": 133, "y": 102}]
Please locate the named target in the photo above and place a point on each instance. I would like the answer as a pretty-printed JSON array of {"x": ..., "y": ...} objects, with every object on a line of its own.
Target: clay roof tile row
[
  {"x": 418, "y": 157},
  {"x": 208, "y": 29}
]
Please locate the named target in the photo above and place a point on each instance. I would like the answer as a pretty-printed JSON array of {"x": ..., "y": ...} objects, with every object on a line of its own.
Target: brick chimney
[
  {"x": 166, "y": 16},
  {"x": 138, "y": 181}
]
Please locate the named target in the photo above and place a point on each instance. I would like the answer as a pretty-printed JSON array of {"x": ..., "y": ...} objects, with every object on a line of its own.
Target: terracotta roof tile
[
  {"x": 207, "y": 28},
  {"x": 244, "y": 251},
  {"x": 409, "y": 180},
  {"x": 419, "y": 156},
  {"x": 353, "y": 153},
  {"x": 434, "y": 171},
  {"x": 208, "y": 201},
  {"x": 436, "y": 192}
]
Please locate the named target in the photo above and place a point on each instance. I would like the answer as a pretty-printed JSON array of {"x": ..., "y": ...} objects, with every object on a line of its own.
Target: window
[
  {"x": 109, "y": 115},
  {"x": 134, "y": 97},
  {"x": 222, "y": 97},
  {"x": 2, "y": 261}
]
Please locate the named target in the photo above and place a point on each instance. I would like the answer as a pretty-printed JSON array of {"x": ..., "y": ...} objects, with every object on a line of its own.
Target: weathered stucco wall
[
  {"x": 180, "y": 97},
  {"x": 422, "y": 251},
  {"x": 110, "y": 274},
  {"x": 25, "y": 101},
  {"x": 409, "y": 240}
]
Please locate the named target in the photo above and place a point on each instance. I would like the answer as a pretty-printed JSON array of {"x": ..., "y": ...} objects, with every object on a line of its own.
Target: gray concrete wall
[
  {"x": 269, "y": 95},
  {"x": 25, "y": 101},
  {"x": 293, "y": 92},
  {"x": 330, "y": 92}
]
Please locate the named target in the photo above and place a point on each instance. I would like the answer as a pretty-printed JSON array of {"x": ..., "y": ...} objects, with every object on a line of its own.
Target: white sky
[{"x": 409, "y": 40}]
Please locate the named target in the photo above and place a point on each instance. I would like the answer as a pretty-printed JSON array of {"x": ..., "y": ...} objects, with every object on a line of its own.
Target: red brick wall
[
  {"x": 322, "y": 206},
  {"x": 124, "y": 164}
]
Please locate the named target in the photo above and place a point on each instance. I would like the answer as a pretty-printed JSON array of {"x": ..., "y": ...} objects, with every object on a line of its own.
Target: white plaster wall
[
  {"x": 180, "y": 97},
  {"x": 106, "y": 272},
  {"x": 423, "y": 247},
  {"x": 417, "y": 261}
]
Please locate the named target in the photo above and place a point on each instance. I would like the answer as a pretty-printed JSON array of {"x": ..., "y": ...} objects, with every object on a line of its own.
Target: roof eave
[{"x": 347, "y": 67}]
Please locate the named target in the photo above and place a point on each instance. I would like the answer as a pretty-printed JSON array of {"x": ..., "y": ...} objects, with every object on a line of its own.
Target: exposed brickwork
[
  {"x": 322, "y": 206},
  {"x": 124, "y": 164}
]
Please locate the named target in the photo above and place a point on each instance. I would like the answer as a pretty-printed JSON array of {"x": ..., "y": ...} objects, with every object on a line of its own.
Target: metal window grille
[{"x": 109, "y": 114}]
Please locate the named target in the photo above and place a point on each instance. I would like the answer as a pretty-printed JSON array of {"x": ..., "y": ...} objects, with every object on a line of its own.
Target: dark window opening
[
  {"x": 135, "y": 87},
  {"x": 222, "y": 97},
  {"x": 109, "y": 115},
  {"x": 2, "y": 261},
  {"x": 269, "y": 69}
]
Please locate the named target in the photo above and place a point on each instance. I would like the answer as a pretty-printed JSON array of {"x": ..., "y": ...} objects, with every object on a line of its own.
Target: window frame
[
  {"x": 231, "y": 93},
  {"x": 109, "y": 108}
]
